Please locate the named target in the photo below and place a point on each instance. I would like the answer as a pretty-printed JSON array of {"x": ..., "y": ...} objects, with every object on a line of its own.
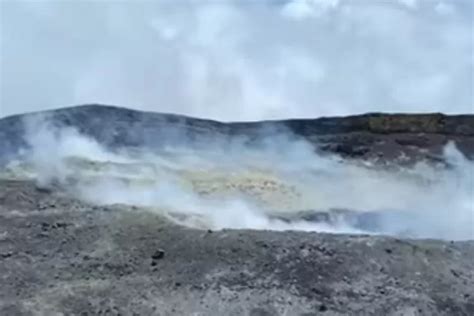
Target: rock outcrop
[{"x": 378, "y": 136}]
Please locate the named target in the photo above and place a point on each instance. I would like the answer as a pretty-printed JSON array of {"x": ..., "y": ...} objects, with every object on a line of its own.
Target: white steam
[
  {"x": 238, "y": 60},
  {"x": 261, "y": 188}
]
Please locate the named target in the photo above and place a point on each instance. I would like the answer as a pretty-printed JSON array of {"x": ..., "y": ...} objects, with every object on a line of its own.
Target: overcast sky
[{"x": 239, "y": 60}]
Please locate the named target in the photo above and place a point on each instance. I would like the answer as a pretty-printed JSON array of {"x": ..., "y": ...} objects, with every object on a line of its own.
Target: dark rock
[
  {"x": 7, "y": 254},
  {"x": 455, "y": 273},
  {"x": 158, "y": 254}
]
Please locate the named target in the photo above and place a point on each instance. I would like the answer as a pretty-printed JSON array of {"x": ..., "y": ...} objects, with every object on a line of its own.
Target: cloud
[
  {"x": 301, "y": 9},
  {"x": 238, "y": 60}
]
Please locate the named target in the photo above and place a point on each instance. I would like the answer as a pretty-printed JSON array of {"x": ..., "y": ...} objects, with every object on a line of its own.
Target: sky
[{"x": 238, "y": 60}]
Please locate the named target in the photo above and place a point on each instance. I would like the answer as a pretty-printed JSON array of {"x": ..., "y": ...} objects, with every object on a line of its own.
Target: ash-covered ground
[{"x": 110, "y": 211}]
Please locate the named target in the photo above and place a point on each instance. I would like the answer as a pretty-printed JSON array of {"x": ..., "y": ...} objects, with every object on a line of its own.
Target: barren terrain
[{"x": 292, "y": 245}]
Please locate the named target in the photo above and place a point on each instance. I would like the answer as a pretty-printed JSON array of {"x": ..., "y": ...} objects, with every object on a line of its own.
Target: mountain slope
[{"x": 368, "y": 136}]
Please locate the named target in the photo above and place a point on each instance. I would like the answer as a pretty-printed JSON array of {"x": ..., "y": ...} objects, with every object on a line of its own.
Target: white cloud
[
  {"x": 443, "y": 7},
  {"x": 412, "y": 4},
  {"x": 238, "y": 60},
  {"x": 300, "y": 9}
]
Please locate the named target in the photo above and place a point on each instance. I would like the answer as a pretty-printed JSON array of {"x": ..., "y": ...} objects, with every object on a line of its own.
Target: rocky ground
[{"x": 61, "y": 256}]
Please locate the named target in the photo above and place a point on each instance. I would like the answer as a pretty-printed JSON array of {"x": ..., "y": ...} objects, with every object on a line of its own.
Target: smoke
[
  {"x": 50, "y": 146},
  {"x": 279, "y": 184},
  {"x": 238, "y": 60}
]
